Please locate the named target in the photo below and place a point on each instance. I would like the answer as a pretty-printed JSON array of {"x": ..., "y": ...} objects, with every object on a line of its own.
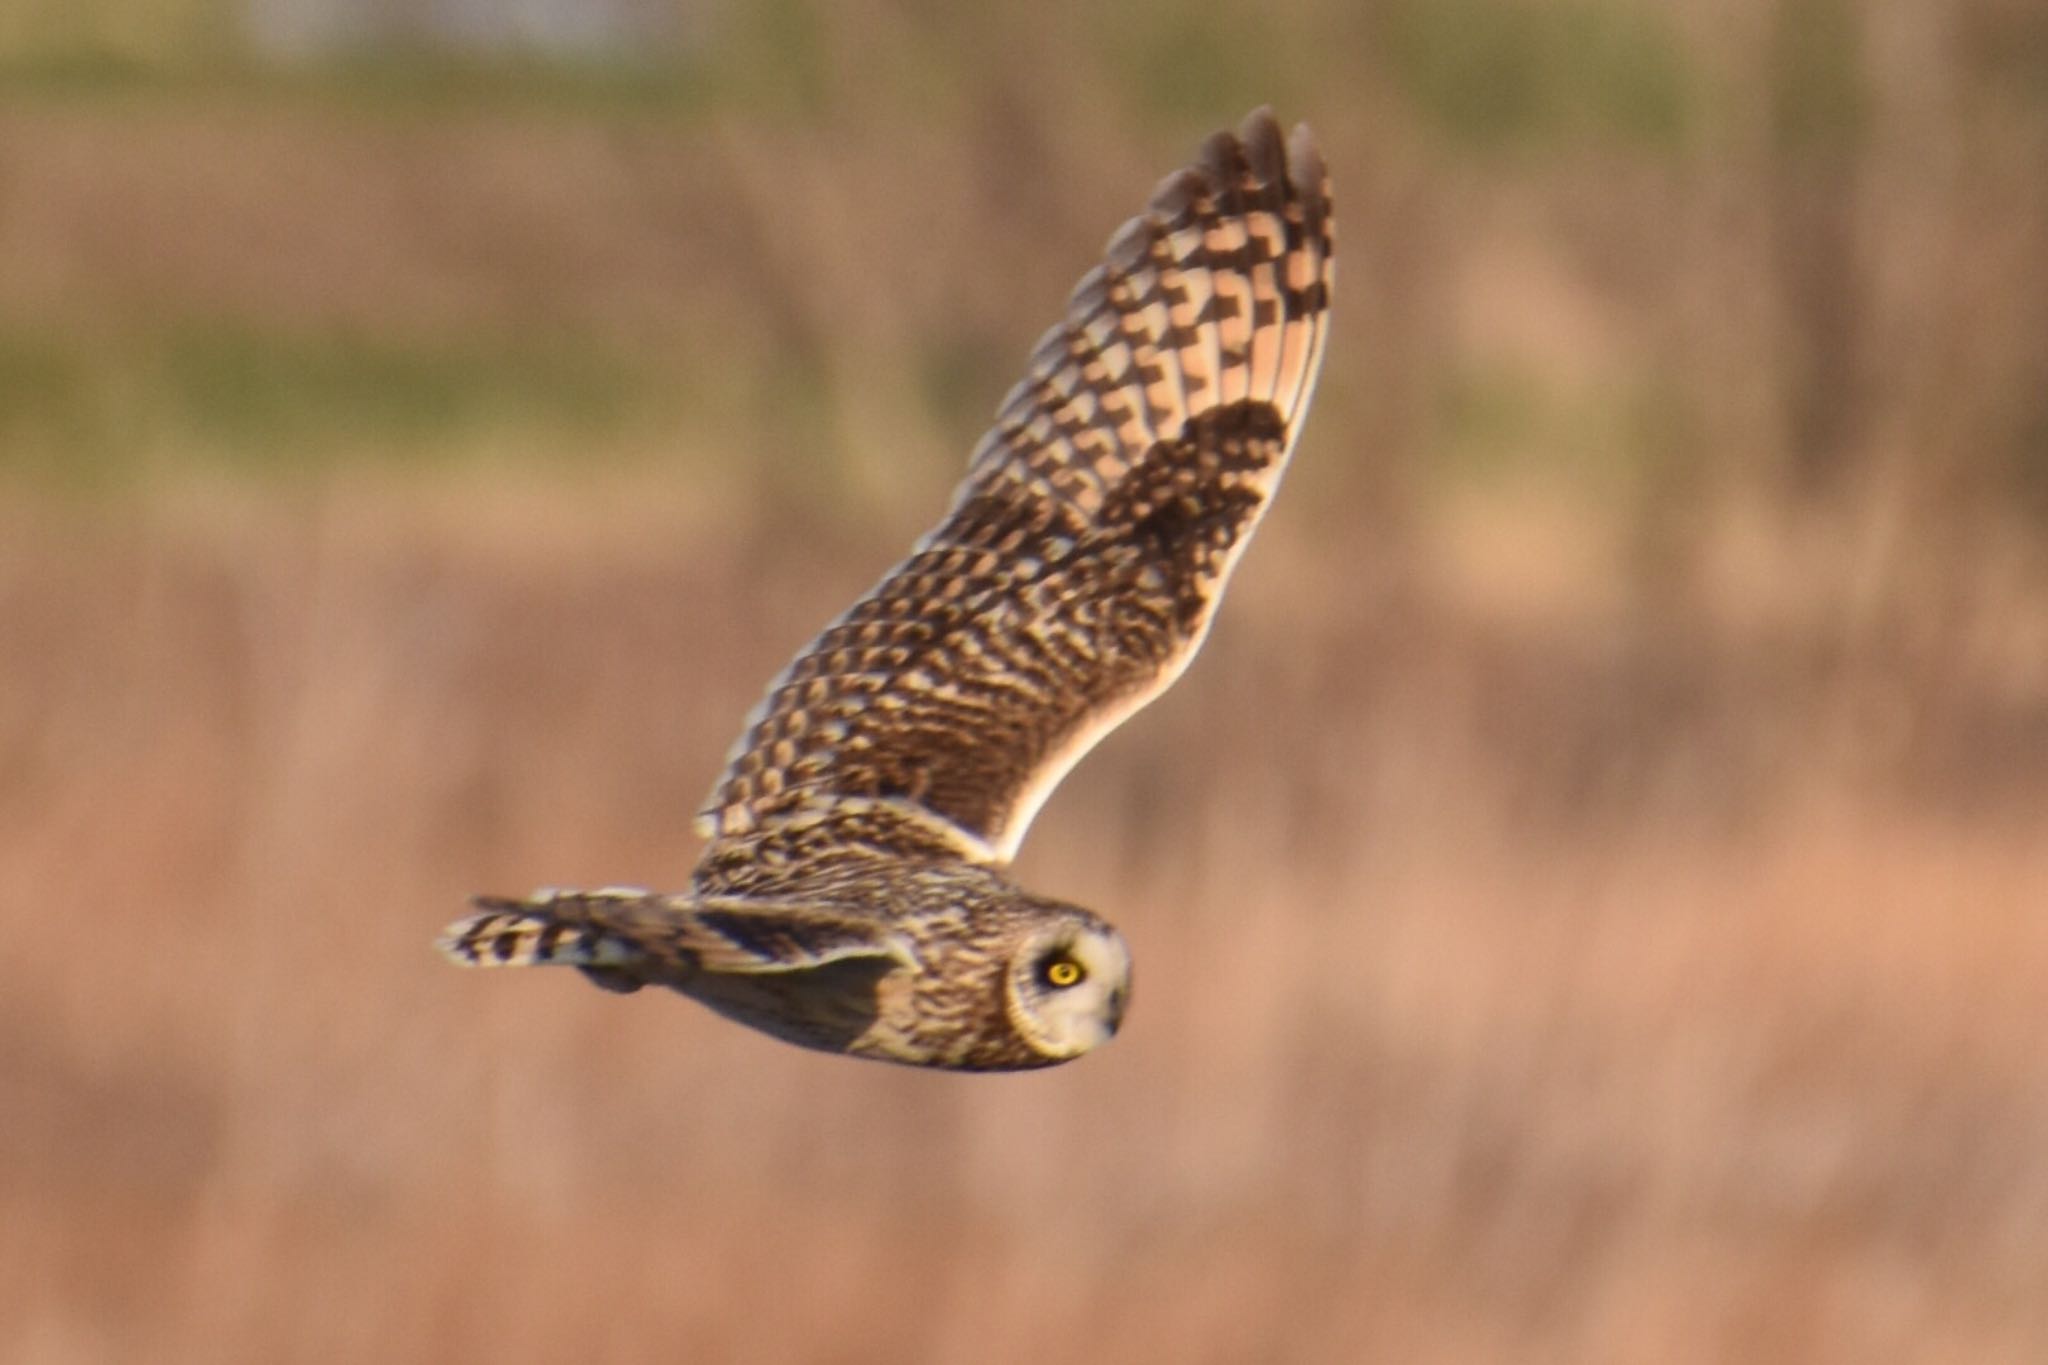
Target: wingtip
[
  {"x": 1221, "y": 160},
  {"x": 1262, "y": 115},
  {"x": 1305, "y": 165},
  {"x": 1177, "y": 193},
  {"x": 1129, "y": 245},
  {"x": 1265, "y": 146}
]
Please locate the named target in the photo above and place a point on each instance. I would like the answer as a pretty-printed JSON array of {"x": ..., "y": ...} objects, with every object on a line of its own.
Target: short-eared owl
[{"x": 854, "y": 896}]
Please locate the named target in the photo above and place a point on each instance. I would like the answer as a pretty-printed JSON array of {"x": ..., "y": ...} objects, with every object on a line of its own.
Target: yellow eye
[{"x": 1063, "y": 972}]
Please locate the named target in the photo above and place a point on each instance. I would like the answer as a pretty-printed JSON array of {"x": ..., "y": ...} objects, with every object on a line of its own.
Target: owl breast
[
  {"x": 950, "y": 1012},
  {"x": 947, "y": 1012},
  {"x": 832, "y": 1008}
]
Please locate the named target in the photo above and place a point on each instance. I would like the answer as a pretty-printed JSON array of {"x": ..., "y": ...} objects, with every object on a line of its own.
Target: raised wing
[{"x": 1085, "y": 552}]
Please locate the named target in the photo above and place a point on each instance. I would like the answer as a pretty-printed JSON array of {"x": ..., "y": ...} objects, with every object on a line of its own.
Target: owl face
[{"x": 1067, "y": 985}]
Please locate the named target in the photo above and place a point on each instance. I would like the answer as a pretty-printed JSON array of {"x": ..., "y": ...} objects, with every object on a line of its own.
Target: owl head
[{"x": 1067, "y": 983}]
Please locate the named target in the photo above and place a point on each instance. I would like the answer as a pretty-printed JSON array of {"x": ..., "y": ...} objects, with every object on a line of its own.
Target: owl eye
[{"x": 1062, "y": 972}]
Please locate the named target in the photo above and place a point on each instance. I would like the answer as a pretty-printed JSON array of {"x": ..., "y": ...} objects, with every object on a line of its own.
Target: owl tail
[{"x": 549, "y": 929}]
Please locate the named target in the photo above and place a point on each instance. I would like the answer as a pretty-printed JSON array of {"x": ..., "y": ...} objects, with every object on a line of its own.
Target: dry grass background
[{"x": 1588, "y": 898}]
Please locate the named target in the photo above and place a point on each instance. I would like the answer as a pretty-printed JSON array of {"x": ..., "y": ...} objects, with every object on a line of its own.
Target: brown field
[
  {"x": 1588, "y": 898},
  {"x": 1522, "y": 975}
]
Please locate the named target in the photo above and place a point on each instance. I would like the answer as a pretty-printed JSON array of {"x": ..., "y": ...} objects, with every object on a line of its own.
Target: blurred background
[{"x": 1588, "y": 897}]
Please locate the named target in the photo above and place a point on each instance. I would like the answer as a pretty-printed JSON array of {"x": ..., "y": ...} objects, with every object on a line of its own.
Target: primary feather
[{"x": 1090, "y": 543}]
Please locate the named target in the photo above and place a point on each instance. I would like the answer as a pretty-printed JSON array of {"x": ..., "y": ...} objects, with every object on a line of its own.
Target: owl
[{"x": 853, "y": 895}]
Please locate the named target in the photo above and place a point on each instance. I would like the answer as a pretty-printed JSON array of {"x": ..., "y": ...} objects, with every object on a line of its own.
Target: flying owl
[{"x": 854, "y": 894}]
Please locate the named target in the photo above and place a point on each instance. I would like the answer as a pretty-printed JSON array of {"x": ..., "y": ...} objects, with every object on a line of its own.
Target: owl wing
[
  {"x": 1085, "y": 552},
  {"x": 615, "y": 927}
]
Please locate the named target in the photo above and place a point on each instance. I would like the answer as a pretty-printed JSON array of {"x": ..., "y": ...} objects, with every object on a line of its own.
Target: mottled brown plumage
[{"x": 852, "y": 895}]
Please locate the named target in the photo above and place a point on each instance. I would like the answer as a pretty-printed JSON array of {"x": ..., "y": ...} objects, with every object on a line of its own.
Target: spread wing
[{"x": 1084, "y": 555}]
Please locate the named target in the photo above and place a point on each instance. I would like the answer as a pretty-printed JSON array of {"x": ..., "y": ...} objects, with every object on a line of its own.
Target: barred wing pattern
[{"x": 1084, "y": 554}]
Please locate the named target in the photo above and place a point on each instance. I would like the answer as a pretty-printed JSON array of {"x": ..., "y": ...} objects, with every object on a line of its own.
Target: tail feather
[{"x": 545, "y": 930}]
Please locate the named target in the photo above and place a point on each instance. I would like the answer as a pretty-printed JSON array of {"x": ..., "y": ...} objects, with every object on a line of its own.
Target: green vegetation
[
  {"x": 398, "y": 82},
  {"x": 1236, "y": 58},
  {"x": 1496, "y": 72},
  {"x": 668, "y": 241},
  {"x": 1818, "y": 100},
  {"x": 90, "y": 408},
  {"x": 1511, "y": 422}
]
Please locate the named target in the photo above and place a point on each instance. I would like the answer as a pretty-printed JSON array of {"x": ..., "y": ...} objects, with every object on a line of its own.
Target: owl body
[
  {"x": 968, "y": 972},
  {"x": 853, "y": 893}
]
